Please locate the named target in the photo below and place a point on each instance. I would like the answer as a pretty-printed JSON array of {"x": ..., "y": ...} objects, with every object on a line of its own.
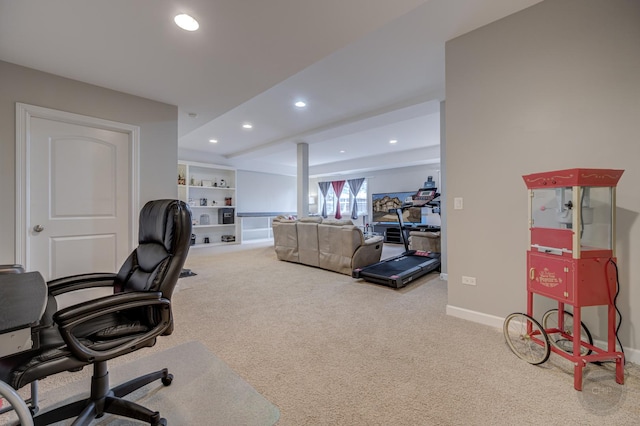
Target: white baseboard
[
  {"x": 475, "y": 316},
  {"x": 631, "y": 355},
  {"x": 444, "y": 276}
]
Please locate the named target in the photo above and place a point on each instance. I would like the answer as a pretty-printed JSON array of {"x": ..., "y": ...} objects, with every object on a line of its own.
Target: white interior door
[{"x": 78, "y": 192}]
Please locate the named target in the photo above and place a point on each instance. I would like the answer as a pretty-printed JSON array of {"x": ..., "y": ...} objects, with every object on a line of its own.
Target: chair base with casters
[{"x": 105, "y": 400}]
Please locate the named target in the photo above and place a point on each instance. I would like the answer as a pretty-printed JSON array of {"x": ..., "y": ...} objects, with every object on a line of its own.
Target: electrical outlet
[
  {"x": 457, "y": 203},
  {"x": 468, "y": 280}
]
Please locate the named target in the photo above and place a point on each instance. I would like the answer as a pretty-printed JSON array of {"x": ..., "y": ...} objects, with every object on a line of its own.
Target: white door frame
[{"x": 24, "y": 113}]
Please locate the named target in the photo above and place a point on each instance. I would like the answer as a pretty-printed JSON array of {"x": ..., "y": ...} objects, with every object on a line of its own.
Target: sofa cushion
[
  {"x": 311, "y": 219},
  {"x": 308, "y": 242},
  {"x": 337, "y": 222}
]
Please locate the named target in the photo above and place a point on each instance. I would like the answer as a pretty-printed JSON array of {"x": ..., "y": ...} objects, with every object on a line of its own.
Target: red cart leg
[
  {"x": 577, "y": 331},
  {"x": 612, "y": 345},
  {"x": 579, "y": 363},
  {"x": 560, "y": 316},
  {"x": 620, "y": 369},
  {"x": 577, "y": 375}
]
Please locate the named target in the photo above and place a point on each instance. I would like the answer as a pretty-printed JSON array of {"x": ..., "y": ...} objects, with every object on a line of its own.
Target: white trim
[
  {"x": 206, "y": 165},
  {"x": 474, "y": 316},
  {"x": 631, "y": 355},
  {"x": 444, "y": 276},
  {"x": 24, "y": 113}
]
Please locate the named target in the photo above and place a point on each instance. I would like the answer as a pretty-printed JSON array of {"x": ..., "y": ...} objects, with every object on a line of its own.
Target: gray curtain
[
  {"x": 324, "y": 189},
  {"x": 354, "y": 188}
]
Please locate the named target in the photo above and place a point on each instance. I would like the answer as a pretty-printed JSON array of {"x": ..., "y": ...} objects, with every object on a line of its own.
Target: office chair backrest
[{"x": 164, "y": 237}]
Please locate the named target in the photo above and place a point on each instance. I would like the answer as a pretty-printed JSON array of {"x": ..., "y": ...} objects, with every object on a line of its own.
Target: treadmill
[{"x": 398, "y": 271}]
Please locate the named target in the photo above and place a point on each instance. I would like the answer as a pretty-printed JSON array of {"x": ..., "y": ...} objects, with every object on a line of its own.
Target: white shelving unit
[
  {"x": 256, "y": 228},
  {"x": 210, "y": 191}
]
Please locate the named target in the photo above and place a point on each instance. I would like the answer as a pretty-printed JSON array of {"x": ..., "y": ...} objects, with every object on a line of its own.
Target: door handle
[{"x": 38, "y": 228}]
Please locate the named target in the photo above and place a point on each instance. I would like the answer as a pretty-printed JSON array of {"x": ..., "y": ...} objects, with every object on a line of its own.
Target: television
[{"x": 382, "y": 202}]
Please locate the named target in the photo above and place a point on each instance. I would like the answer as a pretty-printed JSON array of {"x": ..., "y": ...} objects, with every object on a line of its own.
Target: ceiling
[{"x": 369, "y": 70}]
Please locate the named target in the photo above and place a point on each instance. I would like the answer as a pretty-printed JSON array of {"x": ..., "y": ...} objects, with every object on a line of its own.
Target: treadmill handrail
[{"x": 402, "y": 234}]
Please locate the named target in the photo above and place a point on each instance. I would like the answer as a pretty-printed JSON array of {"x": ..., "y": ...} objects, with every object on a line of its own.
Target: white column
[
  {"x": 303, "y": 179},
  {"x": 443, "y": 190}
]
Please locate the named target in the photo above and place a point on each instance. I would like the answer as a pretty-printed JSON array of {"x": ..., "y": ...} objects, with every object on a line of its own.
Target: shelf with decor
[{"x": 210, "y": 191}]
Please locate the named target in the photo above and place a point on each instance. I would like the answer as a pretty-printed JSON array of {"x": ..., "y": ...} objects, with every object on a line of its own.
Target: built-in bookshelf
[{"x": 210, "y": 191}]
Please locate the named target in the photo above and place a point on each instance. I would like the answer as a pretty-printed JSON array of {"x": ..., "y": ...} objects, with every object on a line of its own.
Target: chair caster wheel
[{"x": 167, "y": 380}]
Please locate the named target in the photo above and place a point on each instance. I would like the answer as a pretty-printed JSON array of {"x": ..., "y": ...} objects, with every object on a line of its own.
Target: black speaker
[{"x": 225, "y": 216}]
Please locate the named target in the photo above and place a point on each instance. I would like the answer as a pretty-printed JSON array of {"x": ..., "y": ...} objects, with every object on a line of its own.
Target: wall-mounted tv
[{"x": 381, "y": 204}]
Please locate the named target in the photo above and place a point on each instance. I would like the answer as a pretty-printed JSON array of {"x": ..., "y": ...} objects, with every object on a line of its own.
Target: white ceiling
[{"x": 370, "y": 70}]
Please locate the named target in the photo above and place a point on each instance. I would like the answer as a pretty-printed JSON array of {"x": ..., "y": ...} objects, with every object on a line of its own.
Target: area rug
[{"x": 205, "y": 391}]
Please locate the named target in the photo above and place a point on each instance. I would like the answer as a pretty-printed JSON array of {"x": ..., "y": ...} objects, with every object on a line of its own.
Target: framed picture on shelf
[{"x": 207, "y": 183}]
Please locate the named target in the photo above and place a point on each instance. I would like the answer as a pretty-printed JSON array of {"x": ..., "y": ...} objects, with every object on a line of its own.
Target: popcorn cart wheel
[
  {"x": 560, "y": 331},
  {"x": 526, "y": 338}
]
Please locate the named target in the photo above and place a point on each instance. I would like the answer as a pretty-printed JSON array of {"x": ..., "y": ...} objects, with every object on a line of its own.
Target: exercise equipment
[{"x": 398, "y": 271}]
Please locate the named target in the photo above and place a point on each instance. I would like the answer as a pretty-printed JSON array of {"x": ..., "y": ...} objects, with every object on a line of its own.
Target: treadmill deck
[{"x": 400, "y": 270}]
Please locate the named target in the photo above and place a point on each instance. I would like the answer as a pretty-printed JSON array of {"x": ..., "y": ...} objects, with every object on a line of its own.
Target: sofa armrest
[
  {"x": 285, "y": 239},
  {"x": 368, "y": 253},
  {"x": 373, "y": 240}
]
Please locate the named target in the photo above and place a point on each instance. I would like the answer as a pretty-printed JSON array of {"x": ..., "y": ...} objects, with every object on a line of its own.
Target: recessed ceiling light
[
  {"x": 300, "y": 104},
  {"x": 342, "y": 151},
  {"x": 392, "y": 141},
  {"x": 213, "y": 141},
  {"x": 247, "y": 126},
  {"x": 186, "y": 22}
]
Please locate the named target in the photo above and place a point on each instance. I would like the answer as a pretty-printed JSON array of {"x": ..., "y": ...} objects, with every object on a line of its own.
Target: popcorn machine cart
[{"x": 571, "y": 259}]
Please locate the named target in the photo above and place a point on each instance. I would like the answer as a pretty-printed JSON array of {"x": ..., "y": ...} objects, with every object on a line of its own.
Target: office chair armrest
[
  {"x": 79, "y": 282},
  {"x": 73, "y": 316}
]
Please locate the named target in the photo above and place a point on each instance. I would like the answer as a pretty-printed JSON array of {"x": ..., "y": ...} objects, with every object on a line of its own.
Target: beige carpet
[{"x": 330, "y": 350}]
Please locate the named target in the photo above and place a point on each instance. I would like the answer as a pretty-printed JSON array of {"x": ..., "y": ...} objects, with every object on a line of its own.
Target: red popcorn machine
[{"x": 570, "y": 259}]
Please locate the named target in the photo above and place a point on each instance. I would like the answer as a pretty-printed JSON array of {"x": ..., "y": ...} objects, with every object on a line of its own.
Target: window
[{"x": 347, "y": 200}]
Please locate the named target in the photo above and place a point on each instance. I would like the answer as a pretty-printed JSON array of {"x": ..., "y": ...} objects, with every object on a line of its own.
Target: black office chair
[{"x": 98, "y": 330}]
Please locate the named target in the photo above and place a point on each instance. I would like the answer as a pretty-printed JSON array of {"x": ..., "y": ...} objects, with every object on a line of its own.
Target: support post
[{"x": 303, "y": 179}]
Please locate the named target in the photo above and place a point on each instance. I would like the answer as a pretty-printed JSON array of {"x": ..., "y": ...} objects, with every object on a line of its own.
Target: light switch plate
[{"x": 457, "y": 203}]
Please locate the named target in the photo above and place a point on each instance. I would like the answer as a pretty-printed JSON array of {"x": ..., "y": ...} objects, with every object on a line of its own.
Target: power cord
[{"x": 615, "y": 305}]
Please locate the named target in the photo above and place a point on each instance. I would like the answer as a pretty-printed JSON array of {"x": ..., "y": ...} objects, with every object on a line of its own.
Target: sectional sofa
[{"x": 335, "y": 245}]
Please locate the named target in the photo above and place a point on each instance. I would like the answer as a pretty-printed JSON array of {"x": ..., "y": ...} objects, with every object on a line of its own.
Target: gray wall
[
  {"x": 158, "y": 133},
  {"x": 265, "y": 192},
  {"x": 552, "y": 87}
]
